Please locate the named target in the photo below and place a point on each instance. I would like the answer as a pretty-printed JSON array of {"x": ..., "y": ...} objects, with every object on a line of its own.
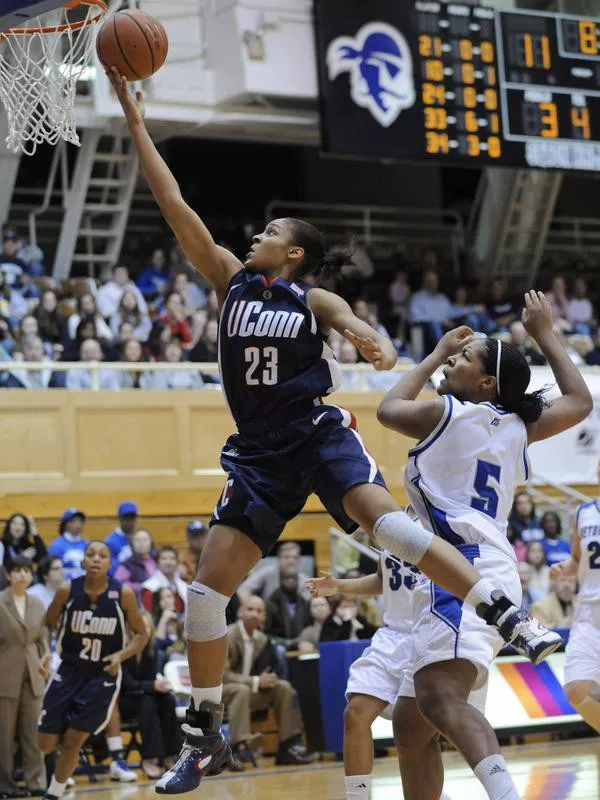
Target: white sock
[
  {"x": 357, "y": 787},
  {"x": 212, "y": 693},
  {"x": 481, "y": 593},
  {"x": 445, "y": 796},
  {"x": 495, "y": 777},
  {"x": 56, "y": 789},
  {"x": 115, "y": 744}
]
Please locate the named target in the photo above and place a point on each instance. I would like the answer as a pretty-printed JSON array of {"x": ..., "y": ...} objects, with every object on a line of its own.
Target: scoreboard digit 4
[{"x": 455, "y": 83}]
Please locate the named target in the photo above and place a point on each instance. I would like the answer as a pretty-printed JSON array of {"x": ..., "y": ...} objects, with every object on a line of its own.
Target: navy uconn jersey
[
  {"x": 272, "y": 358},
  {"x": 90, "y": 631}
]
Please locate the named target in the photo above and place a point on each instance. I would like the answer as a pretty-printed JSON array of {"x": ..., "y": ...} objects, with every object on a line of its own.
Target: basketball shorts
[
  {"x": 446, "y": 629},
  {"x": 78, "y": 699},
  {"x": 271, "y": 476},
  {"x": 582, "y": 654}
]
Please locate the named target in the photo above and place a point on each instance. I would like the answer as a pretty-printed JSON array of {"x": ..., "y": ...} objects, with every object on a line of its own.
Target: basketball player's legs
[
  {"x": 360, "y": 713},
  {"x": 582, "y": 671},
  {"x": 584, "y": 696},
  {"x": 442, "y": 691},
  {"x": 417, "y": 743},
  {"x": 118, "y": 768},
  {"x": 70, "y": 743}
]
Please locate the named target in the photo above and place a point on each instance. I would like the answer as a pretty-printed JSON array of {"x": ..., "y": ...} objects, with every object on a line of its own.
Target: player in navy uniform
[
  {"x": 275, "y": 368},
  {"x": 91, "y": 613}
]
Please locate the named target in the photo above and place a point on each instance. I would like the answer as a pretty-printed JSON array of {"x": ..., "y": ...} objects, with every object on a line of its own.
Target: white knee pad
[
  {"x": 405, "y": 539},
  {"x": 205, "y": 613}
]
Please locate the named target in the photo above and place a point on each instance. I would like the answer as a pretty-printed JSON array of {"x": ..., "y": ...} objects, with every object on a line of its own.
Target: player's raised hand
[
  {"x": 537, "y": 315},
  {"x": 325, "y": 586},
  {"x": 371, "y": 351},
  {"x": 564, "y": 569},
  {"x": 453, "y": 342},
  {"x": 132, "y": 106},
  {"x": 113, "y": 663}
]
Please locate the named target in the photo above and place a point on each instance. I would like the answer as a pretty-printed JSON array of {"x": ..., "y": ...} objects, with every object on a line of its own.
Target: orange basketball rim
[{"x": 75, "y": 25}]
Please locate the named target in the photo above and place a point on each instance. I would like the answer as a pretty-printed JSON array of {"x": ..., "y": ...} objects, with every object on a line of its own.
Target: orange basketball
[{"x": 134, "y": 42}]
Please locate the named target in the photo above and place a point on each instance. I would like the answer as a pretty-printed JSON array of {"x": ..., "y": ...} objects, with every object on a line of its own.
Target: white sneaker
[
  {"x": 119, "y": 771},
  {"x": 70, "y": 783}
]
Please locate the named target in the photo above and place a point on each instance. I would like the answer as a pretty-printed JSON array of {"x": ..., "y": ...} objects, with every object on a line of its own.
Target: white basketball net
[{"x": 40, "y": 64}]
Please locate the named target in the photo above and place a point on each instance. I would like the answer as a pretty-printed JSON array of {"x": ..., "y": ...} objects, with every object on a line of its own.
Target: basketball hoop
[{"x": 40, "y": 65}]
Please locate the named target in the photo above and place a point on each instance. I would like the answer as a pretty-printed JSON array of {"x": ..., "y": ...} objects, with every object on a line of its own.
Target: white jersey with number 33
[
  {"x": 462, "y": 478},
  {"x": 588, "y": 528}
]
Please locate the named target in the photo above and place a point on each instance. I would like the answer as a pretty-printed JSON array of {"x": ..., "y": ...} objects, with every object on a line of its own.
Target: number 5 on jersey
[{"x": 263, "y": 361}]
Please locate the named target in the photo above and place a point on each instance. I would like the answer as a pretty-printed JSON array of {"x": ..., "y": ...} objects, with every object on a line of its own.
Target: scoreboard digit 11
[{"x": 459, "y": 84}]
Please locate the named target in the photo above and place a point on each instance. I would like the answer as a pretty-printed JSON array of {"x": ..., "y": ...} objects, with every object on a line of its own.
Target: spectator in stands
[
  {"x": 140, "y": 565},
  {"x": 21, "y": 538},
  {"x": 82, "y": 378},
  {"x": 160, "y": 335},
  {"x": 119, "y": 539},
  {"x": 264, "y": 578},
  {"x": 207, "y": 349},
  {"x": 172, "y": 379},
  {"x": 87, "y": 310},
  {"x": 196, "y": 533},
  {"x": 131, "y": 353},
  {"x": 464, "y": 313},
  {"x": 147, "y": 697},
  {"x": 555, "y": 610},
  {"x": 251, "y": 682},
  {"x": 581, "y": 311},
  {"x": 130, "y": 311},
  {"x": 592, "y": 359},
  {"x": 368, "y": 314},
  {"x": 109, "y": 295},
  {"x": 70, "y": 545},
  {"x": 556, "y": 549},
  {"x": 174, "y": 316},
  {"x": 288, "y": 613},
  {"x": 51, "y": 323},
  {"x": 559, "y": 302},
  {"x": 33, "y": 258},
  {"x": 501, "y": 310},
  {"x": 19, "y": 378},
  {"x": 345, "y": 623},
  {"x": 164, "y": 609},
  {"x": 7, "y": 342},
  {"x": 367, "y": 606},
  {"x": 523, "y": 521},
  {"x": 193, "y": 296},
  {"x": 429, "y": 308},
  {"x": 351, "y": 380},
  {"x": 399, "y": 297},
  {"x": 539, "y": 580},
  {"x": 50, "y": 577},
  {"x": 28, "y": 327},
  {"x": 13, "y": 305},
  {"x": 520, "y": 339},
  {"x": 13, "y": 267},
  {"x": 525, "y": 573},
  {"x": 154, "y": 279},
  {"x": 167, "y": 574},
  {"x": 311, "y": 635},
  {"x": 23, "y": 648}
]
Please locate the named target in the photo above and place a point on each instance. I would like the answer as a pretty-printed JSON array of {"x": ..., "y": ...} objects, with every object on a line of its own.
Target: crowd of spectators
[{"x": 169, "y": 314}]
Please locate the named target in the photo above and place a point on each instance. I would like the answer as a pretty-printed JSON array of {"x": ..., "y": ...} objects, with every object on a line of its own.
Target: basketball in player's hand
[{"x": 134, "y": 42}]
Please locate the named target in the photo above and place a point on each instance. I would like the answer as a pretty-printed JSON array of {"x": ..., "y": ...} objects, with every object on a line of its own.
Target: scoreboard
[{"x": 460, "y": 84}]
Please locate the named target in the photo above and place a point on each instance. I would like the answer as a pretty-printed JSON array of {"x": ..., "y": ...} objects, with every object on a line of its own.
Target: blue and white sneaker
[
  {"x": 119, "y": 771},
  {"x": 200, "y": 755}
]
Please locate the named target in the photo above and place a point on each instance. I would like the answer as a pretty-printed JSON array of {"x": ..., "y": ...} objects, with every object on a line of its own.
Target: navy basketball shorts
[
  {"x": 78, "y": 698},
  {"x": 271, "y": 476}
]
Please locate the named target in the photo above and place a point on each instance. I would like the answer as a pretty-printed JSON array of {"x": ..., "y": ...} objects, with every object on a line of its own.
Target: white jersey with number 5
[
  {"x": 588, "y": 598},
  {"x": 462, "y": 478}
]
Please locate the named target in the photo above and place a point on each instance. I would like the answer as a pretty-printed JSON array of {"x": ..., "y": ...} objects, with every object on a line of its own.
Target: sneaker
[
  {"x": 201, "y": 754},
  {"x": 119, "y": 771},
  {"x": 528, "y": 636},
  {"x": 295, "y": 755},
  {"x": 70, "y": 783}
]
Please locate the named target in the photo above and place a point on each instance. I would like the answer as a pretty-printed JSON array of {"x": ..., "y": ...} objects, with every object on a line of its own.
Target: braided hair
[
  {"x": 512, "y": 372},
  {"x": 324, "y": 264}
]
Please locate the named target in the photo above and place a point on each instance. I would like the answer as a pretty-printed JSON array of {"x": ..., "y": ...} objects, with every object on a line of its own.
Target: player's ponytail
[
  {"x": 324, "y": 265},
  {"x": 511, "y": 370}
]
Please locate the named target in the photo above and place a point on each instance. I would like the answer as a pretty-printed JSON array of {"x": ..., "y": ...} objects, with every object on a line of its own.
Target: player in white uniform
[
  {"x": 376, "y": 677},
  {"x": 461, "y": 479},
  {"x": 582, "y": 664}
]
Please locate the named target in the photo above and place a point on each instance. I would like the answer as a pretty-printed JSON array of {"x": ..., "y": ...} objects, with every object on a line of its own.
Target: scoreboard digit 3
[{"x": 456, "y": 83}]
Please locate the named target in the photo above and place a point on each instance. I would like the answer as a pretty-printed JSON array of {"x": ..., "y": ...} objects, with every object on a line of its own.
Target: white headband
[{"x": 498, "y": 359}]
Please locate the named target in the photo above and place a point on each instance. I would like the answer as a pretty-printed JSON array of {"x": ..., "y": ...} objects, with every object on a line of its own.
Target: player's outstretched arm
[
  {"x": 570, "y": 566},
  {"x": 576, "y": 401},
  {"x": 57, "y": 605},
  {"x": 217, "y": 264},
  {"x": 400, "y": 410},
  {"x": 327, "y": 586},
  {"x": 136, "y": 624},
  {"x": 333, "y": 312}
]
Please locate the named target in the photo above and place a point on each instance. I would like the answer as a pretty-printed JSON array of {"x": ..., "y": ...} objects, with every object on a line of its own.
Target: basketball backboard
[{"x": 14, "y": 12}]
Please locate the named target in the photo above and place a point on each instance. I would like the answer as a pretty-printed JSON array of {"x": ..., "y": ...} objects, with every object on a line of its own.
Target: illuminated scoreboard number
[
  {"x": 581, "y": 37},
  {"x": 551, "y": 116}
]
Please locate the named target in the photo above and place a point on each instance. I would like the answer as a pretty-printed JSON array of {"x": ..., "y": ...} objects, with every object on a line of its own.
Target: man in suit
[
  {"x": 251, "y": 683},
  {"x": 555, "y": 610},
  {"x": 288, "y": 613},
  {"x": 22, "y": 653}
]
